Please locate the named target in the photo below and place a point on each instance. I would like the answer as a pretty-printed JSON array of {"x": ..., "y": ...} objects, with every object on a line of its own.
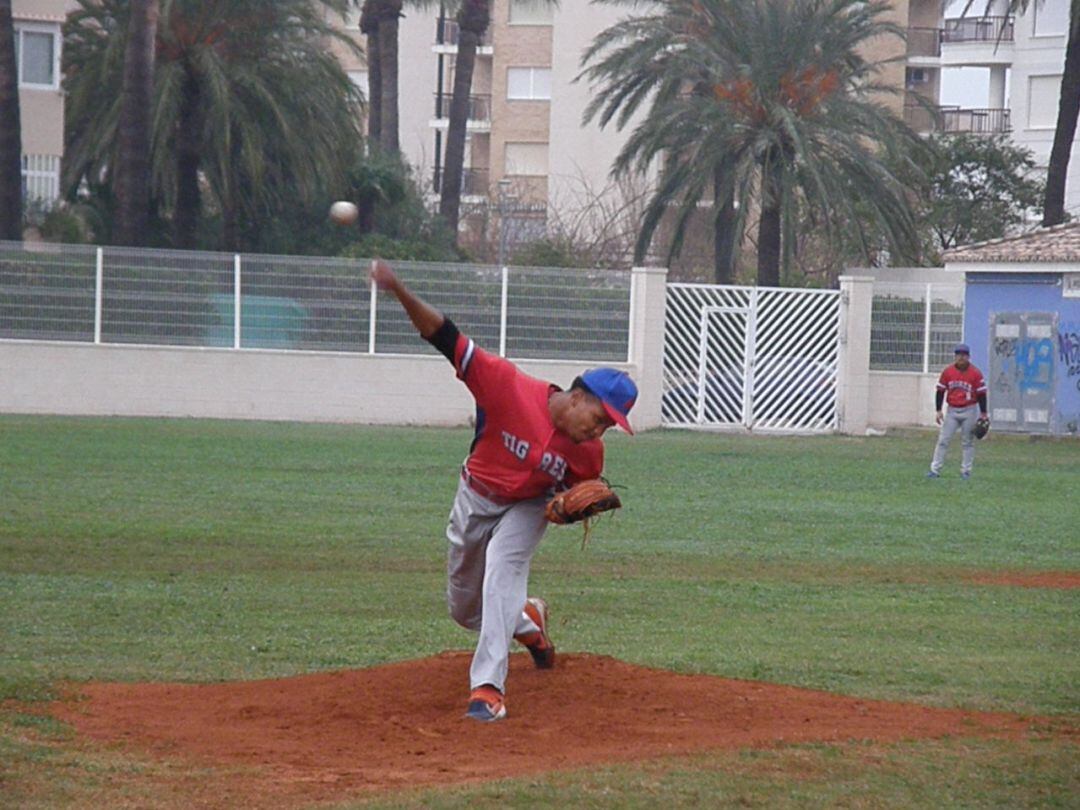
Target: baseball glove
[
  {"x": 582, "y": 501},
  {"x": 982, "y": 427}
]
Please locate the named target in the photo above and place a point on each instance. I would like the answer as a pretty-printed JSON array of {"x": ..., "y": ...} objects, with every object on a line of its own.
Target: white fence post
[
  {"x": 926, "y": 329},
  {"x": 371, "y": 317},
  {"x": 647, "y": 343},
  {"x": 853, "y": 367},
  {"x": 236, "y": 301},
  {"x": 502, "y": 311},
  {"x": 99, "y": 278}
]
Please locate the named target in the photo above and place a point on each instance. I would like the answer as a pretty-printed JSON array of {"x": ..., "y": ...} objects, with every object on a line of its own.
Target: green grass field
[{"x": 202, "y": 550}]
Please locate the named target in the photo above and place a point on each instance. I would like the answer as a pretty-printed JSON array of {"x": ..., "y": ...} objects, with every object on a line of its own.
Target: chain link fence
[
  {"x": 160, "y": 297},
  {"x": 914, "y": 326}
]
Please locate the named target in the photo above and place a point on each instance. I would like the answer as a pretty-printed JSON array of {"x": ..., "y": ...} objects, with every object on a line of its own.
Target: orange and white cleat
[
  {"x": 486, "y": 704},
  {"x": 538, "y": 643}
]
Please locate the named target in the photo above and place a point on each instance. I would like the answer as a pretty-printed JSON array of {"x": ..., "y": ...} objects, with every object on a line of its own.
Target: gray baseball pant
[
  {"x": 962, "y": 419},
  {"x": 491, "y": 547}
]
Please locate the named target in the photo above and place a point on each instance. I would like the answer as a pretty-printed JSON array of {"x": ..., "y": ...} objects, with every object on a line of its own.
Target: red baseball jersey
[
  {"x": 517, "y": 451},
  {"x": 962, "y": 388}
]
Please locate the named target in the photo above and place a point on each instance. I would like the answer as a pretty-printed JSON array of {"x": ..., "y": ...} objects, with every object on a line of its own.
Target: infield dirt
[{"x": 334, "y": 735}]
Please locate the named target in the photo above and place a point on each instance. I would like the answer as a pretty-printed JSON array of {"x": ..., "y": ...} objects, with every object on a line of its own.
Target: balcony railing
[
  {"x": 448, "y": 31},
  {"x": 978, "y": 29},
  {"x": 982, "y": 121},
  {"x": 474, "y": 182},
  {"x": 924, "y": 42},
  {"x": 479, "y": 106}
]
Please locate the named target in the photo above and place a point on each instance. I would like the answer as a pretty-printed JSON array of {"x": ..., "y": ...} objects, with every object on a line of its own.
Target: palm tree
[
  {"x": 473, "y": 18},
  {"x": 133, "y": 148},
  {"x": 385, "y": 15},
  {"x": 11, "y": 205},
  {"x": 248, "y": 105},
  {"x": 768, "y": 104},
  {"x": 1057, "y": 170},
  {"x": 369, "y": 27}
]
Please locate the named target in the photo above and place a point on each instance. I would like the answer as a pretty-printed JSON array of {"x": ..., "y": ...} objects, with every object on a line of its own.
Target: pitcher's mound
[{"x": 332, "y": 734}]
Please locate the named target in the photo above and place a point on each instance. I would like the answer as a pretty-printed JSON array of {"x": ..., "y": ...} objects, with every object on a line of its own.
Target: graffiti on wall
[
  {"x": 1069, "y": 350},
  {"x": 1032, "y": 360}
]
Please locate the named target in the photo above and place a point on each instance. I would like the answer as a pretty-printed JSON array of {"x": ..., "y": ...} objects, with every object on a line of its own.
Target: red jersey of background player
[
  {"x": 517, "y": 450},
  {"x": 962, "y": 388}
]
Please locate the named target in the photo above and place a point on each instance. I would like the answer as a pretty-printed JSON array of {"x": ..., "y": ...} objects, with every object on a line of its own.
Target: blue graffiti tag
[{"x": 1035, "y": 362}]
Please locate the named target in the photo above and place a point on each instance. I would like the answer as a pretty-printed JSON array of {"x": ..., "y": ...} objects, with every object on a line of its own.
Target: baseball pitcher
[{"x": 532, "y": 439}]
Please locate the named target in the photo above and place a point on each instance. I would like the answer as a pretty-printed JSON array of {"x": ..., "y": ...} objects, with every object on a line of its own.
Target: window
[
  {"x": 916, "y": 77},
  {"x": 526, "y": 159},
  {"x": 528, "y": 83},
  {"x": 531, "y": 12},
  {"x": 37, "y": 56},
  {"x": 1043, "y": 96},
  {"x": 1051, "y": 18}
]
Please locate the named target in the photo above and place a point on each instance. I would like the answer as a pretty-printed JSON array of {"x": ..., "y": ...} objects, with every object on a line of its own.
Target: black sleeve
[
  {"x": 982, "y": 403},
  {"x": 445, "y": 339},
  {"x": 939, "y": 398}
]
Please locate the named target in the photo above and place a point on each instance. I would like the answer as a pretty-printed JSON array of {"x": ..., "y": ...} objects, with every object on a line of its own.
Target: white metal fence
[
  {"x": 915, "y": 325},
  {"x": 757, "y": 357},
  {"x": 170, "y": 298}
]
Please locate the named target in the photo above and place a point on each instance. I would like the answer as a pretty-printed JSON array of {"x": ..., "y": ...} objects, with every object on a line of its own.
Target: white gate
[{"x": 759, "y": 358}]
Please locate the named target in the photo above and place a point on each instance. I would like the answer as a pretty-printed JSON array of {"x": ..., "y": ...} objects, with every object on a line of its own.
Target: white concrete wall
[
  {"x": 901, "y": 399},
  {"x": 114, "y": 380}
]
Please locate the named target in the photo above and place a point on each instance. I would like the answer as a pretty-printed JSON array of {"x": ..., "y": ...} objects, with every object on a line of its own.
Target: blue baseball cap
[
  {"x": 615, "y": 389},
  {"x": 962, "y": 348}
]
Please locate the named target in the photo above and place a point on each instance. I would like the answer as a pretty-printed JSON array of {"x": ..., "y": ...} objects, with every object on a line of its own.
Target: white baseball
[{"x": 344, "y": 212}]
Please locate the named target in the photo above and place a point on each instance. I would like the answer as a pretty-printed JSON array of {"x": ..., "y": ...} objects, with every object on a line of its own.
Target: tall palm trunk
[
  {"x": 768, "y": 273},
  {"x": 723, "y": 228},
  {"x": 188, "y": 142},
  {"x": 473, "y": 18},
  {"x": 369, "y": 26},
  {"x": 1068, "y": 112},
  {"x": 387, "y": 20},
  {"x": 133, "y": 155},
  {"x": 11, "y": 205}
]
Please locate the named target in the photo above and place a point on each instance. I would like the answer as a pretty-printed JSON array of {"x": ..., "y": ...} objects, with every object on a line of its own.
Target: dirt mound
[{"x": 333, "y": 734}]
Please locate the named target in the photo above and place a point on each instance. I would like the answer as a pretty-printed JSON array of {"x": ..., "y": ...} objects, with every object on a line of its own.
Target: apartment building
[
  {"x": 41, "y": 102},
  {"x": 1011, "y": 68}
]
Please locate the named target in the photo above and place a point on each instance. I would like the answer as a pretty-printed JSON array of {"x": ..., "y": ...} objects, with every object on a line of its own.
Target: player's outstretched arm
[{"x": 424, "y": 317}]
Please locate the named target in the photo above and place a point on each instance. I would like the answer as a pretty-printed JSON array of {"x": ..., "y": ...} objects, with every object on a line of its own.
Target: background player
[
  {"x": 531, "y": 438},
  {"x": 963, "y": 386}
]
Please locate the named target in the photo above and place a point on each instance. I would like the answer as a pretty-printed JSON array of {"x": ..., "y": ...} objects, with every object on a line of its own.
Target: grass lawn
[{"x": 193, "y": 550}]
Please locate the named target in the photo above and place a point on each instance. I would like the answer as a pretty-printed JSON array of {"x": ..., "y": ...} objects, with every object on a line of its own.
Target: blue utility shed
[{"x": 1022, "y": 321}]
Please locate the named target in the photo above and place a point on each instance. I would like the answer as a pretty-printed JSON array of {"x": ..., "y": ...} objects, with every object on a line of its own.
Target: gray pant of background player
[
  {"x": 491, "y": 547},
  {"x": 962, "y": 419}
]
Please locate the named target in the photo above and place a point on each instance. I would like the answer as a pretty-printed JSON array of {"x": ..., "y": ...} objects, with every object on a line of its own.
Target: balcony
[
  {"x": 479, "y": 119},
  {"x": 923, "y": 42},
  {"x": 978, "y": 29},
  {"x": 474, "y": 182},
  {"x": 446, "y": 38},
  {"x": 985, "y": 121}
]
